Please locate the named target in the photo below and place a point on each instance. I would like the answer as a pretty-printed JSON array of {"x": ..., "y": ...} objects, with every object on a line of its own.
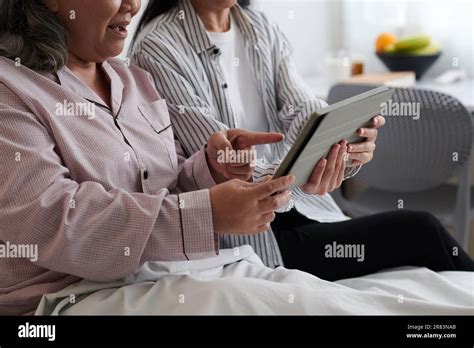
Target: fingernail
[{"x": 292, "y": 178}]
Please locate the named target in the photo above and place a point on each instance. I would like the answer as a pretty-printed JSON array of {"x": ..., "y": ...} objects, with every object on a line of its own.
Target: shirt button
[
  {"x": 215, "y": 51},
  {"x": 225, "y": 85},
  {"x": 145, "y": 174}
]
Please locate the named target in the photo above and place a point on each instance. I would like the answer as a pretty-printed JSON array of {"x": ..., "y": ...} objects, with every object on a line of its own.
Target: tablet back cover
[{"x": 333, "y": 123}]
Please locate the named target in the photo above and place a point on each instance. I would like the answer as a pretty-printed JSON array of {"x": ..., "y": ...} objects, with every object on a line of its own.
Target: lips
[{"x": 119, "y": 28}]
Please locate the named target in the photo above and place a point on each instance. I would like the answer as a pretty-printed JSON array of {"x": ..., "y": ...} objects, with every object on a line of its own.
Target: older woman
[
  {"x": 91, "y": 177},
  {"x": 223, "y": 65}
]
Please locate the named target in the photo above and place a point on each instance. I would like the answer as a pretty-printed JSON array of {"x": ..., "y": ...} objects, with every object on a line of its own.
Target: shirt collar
[
  {"x": 68, "y": 80},
  {"x": 196, "y": 32},
  {"x": 116, "y": 87},
  {"x": 245, "y": 24}
]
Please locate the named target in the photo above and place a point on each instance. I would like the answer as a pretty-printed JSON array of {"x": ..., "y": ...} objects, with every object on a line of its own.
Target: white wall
[{"x": 312, "y": 26}]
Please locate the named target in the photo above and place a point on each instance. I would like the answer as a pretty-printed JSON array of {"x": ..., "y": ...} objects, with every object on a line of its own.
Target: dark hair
[
  {"x": 32, "y": 33},
  {"x": 158, "y": 7}
]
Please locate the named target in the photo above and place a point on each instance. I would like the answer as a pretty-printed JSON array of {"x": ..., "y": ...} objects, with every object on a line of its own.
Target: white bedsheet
[{"x": 237, "y": 282}]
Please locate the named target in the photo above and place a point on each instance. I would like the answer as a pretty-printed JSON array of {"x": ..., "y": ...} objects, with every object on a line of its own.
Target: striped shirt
[{"x": 184, "y": 62}]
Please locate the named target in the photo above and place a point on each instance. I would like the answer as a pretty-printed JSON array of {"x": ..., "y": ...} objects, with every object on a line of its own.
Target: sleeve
[
  {"x": 194, "y": 173},
  {"x": 83, "y": 229}
]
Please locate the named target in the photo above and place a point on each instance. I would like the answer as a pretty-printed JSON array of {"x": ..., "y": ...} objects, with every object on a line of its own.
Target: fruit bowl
[{"x": 404, "y": 62}]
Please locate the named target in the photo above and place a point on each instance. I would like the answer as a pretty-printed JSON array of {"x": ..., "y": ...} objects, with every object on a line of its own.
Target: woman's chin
[{"x": 113, "y": 51}]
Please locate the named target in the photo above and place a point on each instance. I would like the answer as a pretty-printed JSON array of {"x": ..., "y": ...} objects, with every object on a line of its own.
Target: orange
[{"x": 384, "y": 40}]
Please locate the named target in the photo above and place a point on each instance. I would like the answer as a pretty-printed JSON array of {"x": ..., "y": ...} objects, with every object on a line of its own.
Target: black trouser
[{"x": 367, "y": 244}]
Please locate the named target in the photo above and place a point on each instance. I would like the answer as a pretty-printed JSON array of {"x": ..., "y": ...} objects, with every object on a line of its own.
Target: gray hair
[{"x": 32, "y": 33}]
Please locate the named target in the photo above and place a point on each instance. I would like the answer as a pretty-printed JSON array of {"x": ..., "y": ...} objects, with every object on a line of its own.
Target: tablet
[{"x": 328, "y": 126}]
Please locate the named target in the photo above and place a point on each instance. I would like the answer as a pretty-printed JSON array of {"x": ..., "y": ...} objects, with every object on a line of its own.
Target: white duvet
[{"x": 237, "y": 282}]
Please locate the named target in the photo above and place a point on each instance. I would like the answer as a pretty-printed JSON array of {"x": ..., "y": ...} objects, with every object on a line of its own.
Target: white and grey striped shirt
[{"x": 176, "y": 49}]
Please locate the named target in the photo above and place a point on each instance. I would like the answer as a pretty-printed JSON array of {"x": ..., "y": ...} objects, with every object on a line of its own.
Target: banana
[
  {"x": 431, "y": 49},
  {"x": 412, "y": 43}
]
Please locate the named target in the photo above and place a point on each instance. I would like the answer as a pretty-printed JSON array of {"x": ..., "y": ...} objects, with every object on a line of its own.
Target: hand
[
  {"x": 363, "y": 152},
  {"x": 328, "y": 173},
  {"x": 240, "y": 207},
  {"x": 231, "y": 153}
]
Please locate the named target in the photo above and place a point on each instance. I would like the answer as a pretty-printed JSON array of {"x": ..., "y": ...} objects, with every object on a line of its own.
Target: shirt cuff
[
  {"x": 351, "y": 171},
  {"x": 199, "y": 239},
  {"x": 298, "y": 193},
  {"x": 201, "y": 172}
]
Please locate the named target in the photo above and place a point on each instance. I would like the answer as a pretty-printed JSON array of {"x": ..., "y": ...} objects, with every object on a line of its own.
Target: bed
[{"x": 238, "y": 283}]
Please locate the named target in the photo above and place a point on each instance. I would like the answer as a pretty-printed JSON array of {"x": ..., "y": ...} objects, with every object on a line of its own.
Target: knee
[
  {"x": 427, "y": 222},
  {"x": 422, "y": 221}
]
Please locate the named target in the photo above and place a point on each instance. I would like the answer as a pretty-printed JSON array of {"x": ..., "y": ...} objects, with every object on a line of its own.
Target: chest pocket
[{"x": 157, "y": 116}]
